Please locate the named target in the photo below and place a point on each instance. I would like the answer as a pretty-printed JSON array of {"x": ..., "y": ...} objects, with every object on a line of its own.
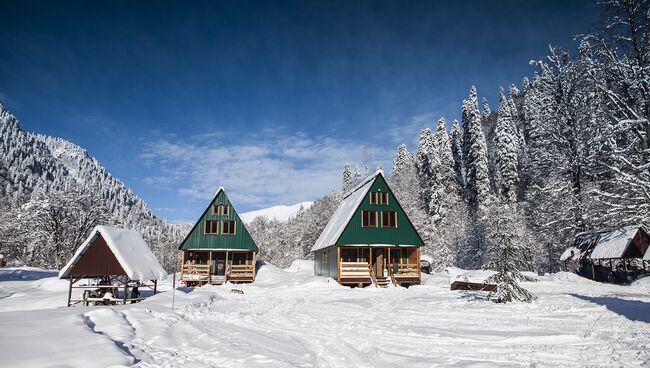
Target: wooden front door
[{"x": 379, "y": 262}]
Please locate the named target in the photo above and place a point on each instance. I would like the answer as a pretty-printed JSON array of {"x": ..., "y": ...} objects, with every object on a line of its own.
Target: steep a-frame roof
[
  {"x": 128, "y": 248},
  {"x": 349, "y": 206},
  {"x": 198, "y": 239}
]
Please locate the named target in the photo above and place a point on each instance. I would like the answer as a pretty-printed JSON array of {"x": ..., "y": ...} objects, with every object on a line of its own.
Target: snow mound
[
  {"x": 301, "y": 265},
  {"x": 279, "y": 213},
  {"x": 25, "y": 274},
  {"x": 643, "y": 283}
]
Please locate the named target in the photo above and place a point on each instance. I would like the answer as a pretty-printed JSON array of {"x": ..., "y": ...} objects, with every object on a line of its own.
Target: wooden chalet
[
  {"x": 617, "y": 255},
  {"x": 369, "y": 239},
  {"x": 111, "y": 266},
  {"x": 219, "y": 248}
]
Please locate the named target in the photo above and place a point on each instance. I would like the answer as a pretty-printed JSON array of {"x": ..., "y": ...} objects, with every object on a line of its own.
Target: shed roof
[
  {"x": 129, "y": 249},
  {"x": 344, "y": 213},
  {"x": 603, "y": 244},
  {"x": 614, "y": 243}
]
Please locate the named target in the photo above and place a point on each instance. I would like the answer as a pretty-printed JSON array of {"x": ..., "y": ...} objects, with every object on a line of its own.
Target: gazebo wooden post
[
  {"x": 70, "y": 291},
  {"x": 126, "y": 288},
  {"x": 155, "y": 286}
]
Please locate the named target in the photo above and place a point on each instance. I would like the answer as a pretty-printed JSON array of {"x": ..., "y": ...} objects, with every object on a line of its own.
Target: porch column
[
  {"x": 254, "y": 274},
  {"x": 418, "y": 264},
  {"x": 338, "y": 263},
  {"x": 209, "y": 267}
]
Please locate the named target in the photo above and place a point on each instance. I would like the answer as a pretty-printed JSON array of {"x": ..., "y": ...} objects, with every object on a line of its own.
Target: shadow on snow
[{"x": 634, "y": 310}]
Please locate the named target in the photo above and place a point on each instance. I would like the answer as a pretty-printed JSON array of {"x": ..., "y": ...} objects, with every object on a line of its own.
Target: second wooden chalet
[
  {"x": 219, "y": 248},
  {"x": 369, "y": 239}
]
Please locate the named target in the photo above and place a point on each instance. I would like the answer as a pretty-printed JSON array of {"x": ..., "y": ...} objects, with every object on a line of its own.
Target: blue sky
[{"x": 269, "y": 98}]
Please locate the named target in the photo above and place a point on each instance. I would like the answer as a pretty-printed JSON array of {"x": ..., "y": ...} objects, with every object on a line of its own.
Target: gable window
[
  {"x": 383, "y": 198},
  {"x": 220, "y": 210},
  {"x": 228, "y": 227},
  {"x": 211, "y": 227},
  {"x": 324, "y": 256},
  {"x": 388, "y": 219},
  {"x": 373, "y": 197},
  {"x": 369, "y": 218}
]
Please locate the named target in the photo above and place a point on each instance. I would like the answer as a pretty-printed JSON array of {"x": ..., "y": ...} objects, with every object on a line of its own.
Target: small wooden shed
[
  {"x": 609, "y": 254},
  {"x": 110, "y": 267}
]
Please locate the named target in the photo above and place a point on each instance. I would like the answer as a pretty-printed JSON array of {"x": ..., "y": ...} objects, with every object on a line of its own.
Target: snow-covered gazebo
[
  {"x": 112, "y": 261},
  {"x": 596, "y": 251}
]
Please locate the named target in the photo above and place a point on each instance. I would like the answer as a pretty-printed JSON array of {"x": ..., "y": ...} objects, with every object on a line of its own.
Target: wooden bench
[{"x": 476, "y": 286}]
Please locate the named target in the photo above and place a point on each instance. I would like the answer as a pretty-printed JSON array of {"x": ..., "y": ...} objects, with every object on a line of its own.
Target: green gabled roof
[
  {"x": 198, "y": 239},
  {"x": 345, "y": 225}
]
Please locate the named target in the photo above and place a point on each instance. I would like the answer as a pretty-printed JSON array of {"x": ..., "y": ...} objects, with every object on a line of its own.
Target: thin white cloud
[{"x": 260, "y": 170}]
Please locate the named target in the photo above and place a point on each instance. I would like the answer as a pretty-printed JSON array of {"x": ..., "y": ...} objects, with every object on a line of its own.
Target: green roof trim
[{"x": 198, "y": 239}]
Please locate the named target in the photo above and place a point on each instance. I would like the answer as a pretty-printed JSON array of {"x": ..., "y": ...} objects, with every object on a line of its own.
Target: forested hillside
[{"x": 53, "y": 193}]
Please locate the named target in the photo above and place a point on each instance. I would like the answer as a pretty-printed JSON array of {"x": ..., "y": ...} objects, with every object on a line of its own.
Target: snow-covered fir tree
[
  {"x": 348, "y": 180},
  {"x": 506, "y": 144},
  {"x": 507, "y": 256}
]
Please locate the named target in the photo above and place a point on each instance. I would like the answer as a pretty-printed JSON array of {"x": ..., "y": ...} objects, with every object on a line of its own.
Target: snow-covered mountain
[
  {"x": 280, "y": 213},
  {"x": 33, "y": 165}
]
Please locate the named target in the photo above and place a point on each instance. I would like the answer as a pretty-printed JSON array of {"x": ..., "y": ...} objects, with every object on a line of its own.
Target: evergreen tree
[
  {"x": 506, "y": 144},
  {"x": 456, "y": 141},
  {"x": 507, "y": 256},
  {"x": 348, "y": 183},
  {"x": 477, "y": 182},
  {"x": 357, "y": 174}
]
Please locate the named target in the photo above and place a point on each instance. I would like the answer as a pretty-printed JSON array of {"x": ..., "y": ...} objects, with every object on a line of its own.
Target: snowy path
[{"x": 295, "y": 319}]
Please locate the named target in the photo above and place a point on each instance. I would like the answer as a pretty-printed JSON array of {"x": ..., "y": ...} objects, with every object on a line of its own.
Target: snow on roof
[
  {"x": 646, "y": 257},
  {"x": 569, "y": 254},
  {"x": 344, "y": 213},
  {"x": 219, "y": 190},
  {"x": 129, "y": 248},
  {"x": 612, "y": 244}
]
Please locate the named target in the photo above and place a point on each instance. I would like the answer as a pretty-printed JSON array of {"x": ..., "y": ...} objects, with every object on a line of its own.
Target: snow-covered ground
[
  {"x": 280, "y": 213},
  {"x": 291, "y": 318}
]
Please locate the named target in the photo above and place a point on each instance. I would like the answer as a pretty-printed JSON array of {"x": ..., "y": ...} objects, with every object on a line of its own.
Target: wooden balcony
[
  {"x": 241, "y": 273},
  {"x": 407, "y": 273},
  {"x": 355, "y": 273}
]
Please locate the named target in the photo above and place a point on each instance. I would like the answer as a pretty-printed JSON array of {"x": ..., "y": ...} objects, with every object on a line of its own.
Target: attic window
[
  {"x": 369, "y": 218},
  {"x": 324, "y": 256},
  {"x": 220, "y": 210},
  {"x": 388, "y": 219},
  {"x": 373, "y": 197},
  {"x": 211, "y": 227},
  {"x": 228, "y": 227},
  {"x": 383, "y": 198}
]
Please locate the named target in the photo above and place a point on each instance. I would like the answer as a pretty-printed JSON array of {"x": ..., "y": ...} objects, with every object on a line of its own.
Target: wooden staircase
[{"x": 383, "y": 282}]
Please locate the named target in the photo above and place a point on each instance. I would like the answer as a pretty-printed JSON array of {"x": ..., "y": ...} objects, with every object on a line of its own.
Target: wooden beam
[
  {"x": 126, "y": 289},
  {"x": 209, "y": 267},
  {"x": 155, "y": 286},
  {"x": 338, "y": 263},
  {"x": 70, "y": 291},
  {"x": 418, "y": 262},
  {"x": 254, "y": 273}
]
